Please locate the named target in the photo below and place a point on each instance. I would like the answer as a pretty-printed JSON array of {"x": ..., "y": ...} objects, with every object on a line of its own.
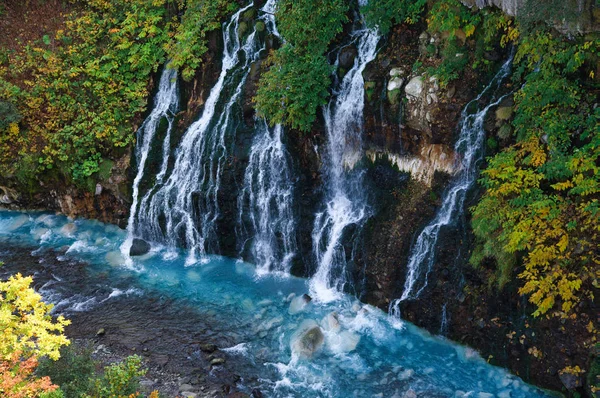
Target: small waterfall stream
[
  {"x": 266, "y": 223},
  {"x": 266, "y": 227},
  {"x": 346, "y": 203},
  {"x": 182, "y": 208},
  {"x": 469, "y": 144},
  {"x": 166, "y": 103}
]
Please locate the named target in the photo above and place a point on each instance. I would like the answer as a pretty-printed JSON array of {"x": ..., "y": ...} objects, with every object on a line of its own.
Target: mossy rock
[
  {"x": 249, "y": 15},
  {"x": 105, "y": 167},
  {"x": 505, "y": 131},
  {"x": 504, "y": 113},
  {"x": 370, "y": 89},
  {"x": 242, "y": 29},
  {"x": 393, "y": 96},
  {"x": 260, "y": 26}
]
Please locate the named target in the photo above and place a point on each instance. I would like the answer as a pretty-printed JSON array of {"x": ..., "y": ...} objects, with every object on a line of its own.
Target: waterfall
[
  {"x": 166, "y": 103},
  {"x": 266, "y": 225},
  {"x": 266, "y": 229},
  {"x": 346, "y": 203},
  {"x": 469, "y": 144},
  {"x": 182, "y": 208}
]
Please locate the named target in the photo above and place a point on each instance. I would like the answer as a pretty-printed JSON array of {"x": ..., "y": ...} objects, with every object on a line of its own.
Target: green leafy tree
[
  {"x": 383, "y": 14},
  {"x": 293, "y": 87},
  {"x": 541, "y": 205},
  {"x": 298, "y": 77}
]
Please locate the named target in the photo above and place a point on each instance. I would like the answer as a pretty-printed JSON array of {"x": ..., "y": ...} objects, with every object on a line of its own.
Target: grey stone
[
  {"x": 217, "y": 361},
  {"x": 570, "y": 381},
  {"x": 414, "y": 88},
  {"x": 309, "y": 340},
  {"x": 347, "y": 56},
  {"x": 186, "y": 387},
  {"x": 139, "y": 247},
  {"x": 395, "y": 83}
]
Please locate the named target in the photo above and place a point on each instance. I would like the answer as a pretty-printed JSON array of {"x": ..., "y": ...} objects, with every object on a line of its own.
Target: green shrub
[
  {"x": 297, "y": 81},
  {"x": 73, "y": 372},
  {"x": 385, "y": 13},
  {"x": 293, "y": 87},
  {"x": 120, "y": 379}
]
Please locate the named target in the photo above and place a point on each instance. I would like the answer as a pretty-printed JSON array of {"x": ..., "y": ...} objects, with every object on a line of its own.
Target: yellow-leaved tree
[{"x": 27, "y": 332}]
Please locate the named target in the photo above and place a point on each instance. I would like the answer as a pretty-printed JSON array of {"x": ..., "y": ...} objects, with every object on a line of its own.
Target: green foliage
[
  {"x": 385, "y": 13},
  {"x": 8, "y": 114},
  {"x": 541, "y": 204},
  {"x": 455, "y": 59},
  {"x": 296, "y": 83},
  {"x": 457, "y": 24},
  {"x": 119, "y": 380},
  {"x": 293, "y": 87},
  {"x": 73, "y": 372},
  {"x": 190, "y": 42},
  {"x": 310, "y": 25},
  {"x": 450, "y": 16},
  {"x": 78, "y": 99}
]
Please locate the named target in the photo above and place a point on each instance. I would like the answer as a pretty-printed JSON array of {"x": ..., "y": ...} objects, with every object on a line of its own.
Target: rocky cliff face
[{"x": 568, "y": 16}]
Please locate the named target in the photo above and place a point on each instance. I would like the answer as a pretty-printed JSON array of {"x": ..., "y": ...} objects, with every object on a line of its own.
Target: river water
[{"x": 254, "y": 318}]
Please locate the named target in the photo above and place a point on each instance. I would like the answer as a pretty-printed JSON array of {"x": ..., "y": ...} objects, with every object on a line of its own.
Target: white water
[
  {"x": 166, "y": 103},
  {"x": 469, "y": 144},
  {"x": 183, "y": 208},
  {"x": 266, "y": 224},
  {"x": 345, "y": 200}
]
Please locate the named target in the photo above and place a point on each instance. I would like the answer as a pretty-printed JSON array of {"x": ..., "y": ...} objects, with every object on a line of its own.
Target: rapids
[{"x": 365, "y": 353}]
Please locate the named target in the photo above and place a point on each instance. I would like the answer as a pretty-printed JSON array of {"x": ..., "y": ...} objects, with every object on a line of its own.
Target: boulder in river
[
  {"x": 308, "y": 339},
  {"x": 139, "y": 247}
]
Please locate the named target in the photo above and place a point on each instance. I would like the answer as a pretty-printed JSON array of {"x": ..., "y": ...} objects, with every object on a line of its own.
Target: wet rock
[
  {"x": 101, "y": 332},
  {"x": 260, "y": 26},
  {"x": 298, "y": 304},
  {"x": 410, "y": 394},
  {"x": 7, "y": 195},
  {"x": 393, "y": 96},
  {"x": 217, "y": 361},
  {"x": 256, "y": 393},
  {"x": 308, "y": 339},
  {"x": 347, "y": 56},
  {"x": 331, "y": 322},
  {"x": 186, "y": 387},
  {"x": 139, "y": 247},
  {"x": 208, "y": 348},
  {"x": 68, "y": 229},
  {"x": 114, "y": 258},
  {"x": 570, "y": 381}
]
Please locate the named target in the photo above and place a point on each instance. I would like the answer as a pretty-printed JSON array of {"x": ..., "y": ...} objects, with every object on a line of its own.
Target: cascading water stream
[
  {"x": 166, "y": 103},
  {"x": 470, "y": 143},
  {"x": 266, "y": 224},
  {"x": 266, "y": 229},
  {"x": 345, "y": 200},
  {"x": 182, "y": 208}
]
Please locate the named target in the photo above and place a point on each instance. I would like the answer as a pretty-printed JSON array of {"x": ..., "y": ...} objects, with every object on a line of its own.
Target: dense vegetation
[
  {"x": 70, "y": 101},
  {"x": 31, "y": 336},
  {"x": 541, "y": 202},
  {"x": 298, "y": 78}
]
